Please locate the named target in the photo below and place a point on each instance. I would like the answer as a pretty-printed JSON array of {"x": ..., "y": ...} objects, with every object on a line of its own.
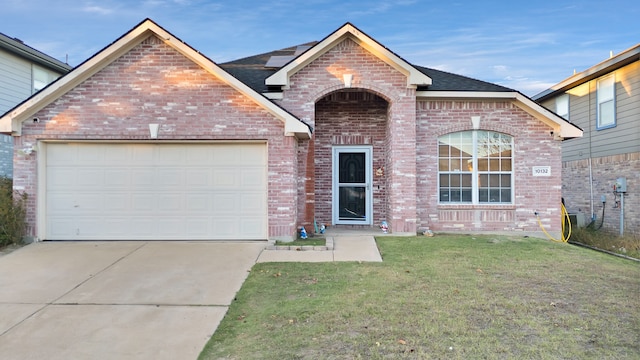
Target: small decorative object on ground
[
  {"x": 428, "y": 233},
  {"x": 303, "y": 233},
  {"x": 322, "y": 229},
  {"x": 384, "y": 226}
]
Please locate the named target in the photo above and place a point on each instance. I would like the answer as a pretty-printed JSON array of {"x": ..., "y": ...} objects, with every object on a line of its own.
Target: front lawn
[{"x": 446, "y": 297}]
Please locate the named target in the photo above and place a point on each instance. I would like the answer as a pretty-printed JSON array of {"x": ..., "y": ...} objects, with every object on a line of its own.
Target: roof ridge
[{"x": 288, "y": 48}]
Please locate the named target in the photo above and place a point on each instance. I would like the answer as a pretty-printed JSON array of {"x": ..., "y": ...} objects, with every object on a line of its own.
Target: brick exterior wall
[
  {"x": 605, "y": 170},
  {"x": 323, "y": 77},
  {"x": 153, "y": 83},
  {"x": 533, "y": 147},
  {"x": 349, "y": 118}
]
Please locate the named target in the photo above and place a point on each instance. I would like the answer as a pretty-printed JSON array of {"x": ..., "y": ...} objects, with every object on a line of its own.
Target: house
[
  {"x": 23, "y": 71},
  {"x": 604, "y": 100},
  {"x": 150, "y": 139}
]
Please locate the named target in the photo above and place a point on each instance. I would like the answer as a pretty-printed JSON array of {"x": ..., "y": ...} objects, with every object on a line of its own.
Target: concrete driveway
[{"x": 117, "y": 300}]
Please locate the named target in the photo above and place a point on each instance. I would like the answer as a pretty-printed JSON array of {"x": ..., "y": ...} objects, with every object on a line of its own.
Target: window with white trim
[
  {"x": 606, "y": 101},
  {"x": 475, "y": 167},
  {"x": 41, "y": 78},
  {"x": 562, "y": 106}
]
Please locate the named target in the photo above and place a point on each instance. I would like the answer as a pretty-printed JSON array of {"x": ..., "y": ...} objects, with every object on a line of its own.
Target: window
[
  {"x": 562, "y": 106},
  {"x": 475, "y": 167},
  {"x": 606, "y": 102},
  {"x": 42, "y": 78}
]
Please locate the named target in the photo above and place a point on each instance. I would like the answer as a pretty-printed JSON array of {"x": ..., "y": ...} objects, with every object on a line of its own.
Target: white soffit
[{"x": 414, "y": 77}]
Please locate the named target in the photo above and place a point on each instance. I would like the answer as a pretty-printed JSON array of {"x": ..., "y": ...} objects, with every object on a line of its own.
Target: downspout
[{"x": 593, "y": 215}]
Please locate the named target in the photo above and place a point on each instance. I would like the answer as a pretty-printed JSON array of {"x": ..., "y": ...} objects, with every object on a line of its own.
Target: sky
[{"x": 524, "y": 45}]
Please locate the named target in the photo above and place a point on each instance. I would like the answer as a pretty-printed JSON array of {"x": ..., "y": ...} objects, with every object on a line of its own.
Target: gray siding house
[
  {"x": 604, "y": 101},
  {"x": 23, "y": 72}
]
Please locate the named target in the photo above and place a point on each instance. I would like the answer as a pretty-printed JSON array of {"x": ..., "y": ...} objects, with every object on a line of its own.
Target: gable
[
  {"x": 414, "y": 77},
  {"x": 348, "y": 57},
  {"x": 11, "y": 122},
  {"x": 153, "y": 82}
]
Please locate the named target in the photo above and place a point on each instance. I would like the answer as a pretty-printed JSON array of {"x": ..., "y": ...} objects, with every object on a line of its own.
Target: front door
[{"x": 352, "y": 174}]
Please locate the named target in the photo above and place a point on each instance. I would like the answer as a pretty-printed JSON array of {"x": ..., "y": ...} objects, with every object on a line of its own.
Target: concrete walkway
[
  {"x": 131, "y": 300},
  {"x": 346, "y": 248}
]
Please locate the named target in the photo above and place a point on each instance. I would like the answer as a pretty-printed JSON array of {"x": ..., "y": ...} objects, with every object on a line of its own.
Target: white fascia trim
[
  {"x": 274, "y": 95},
  {"x": 414, "y": 77},
  {"x": 561, "y": 127}
]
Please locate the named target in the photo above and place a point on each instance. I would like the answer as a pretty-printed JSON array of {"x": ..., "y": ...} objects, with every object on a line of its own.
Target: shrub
[{"x": 12, "y": 213}]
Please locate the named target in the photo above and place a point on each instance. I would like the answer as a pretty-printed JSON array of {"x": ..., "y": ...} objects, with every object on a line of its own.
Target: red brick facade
[
  {"x": 323, "y": 77},
  {"x": 534, "y": 146},
  {"x": 153, "y": 83}
]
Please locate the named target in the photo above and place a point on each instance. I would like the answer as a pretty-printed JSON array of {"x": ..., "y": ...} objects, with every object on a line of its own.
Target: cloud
[{"x": 97, "y": 10}]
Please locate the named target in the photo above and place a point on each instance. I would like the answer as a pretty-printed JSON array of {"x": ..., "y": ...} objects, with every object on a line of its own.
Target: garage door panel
[
  {"x": 141, "y": 177},
  {"x": 251, "y": 178},
  {"x": 170, "y": 202},
  {"x": 226, "y": 227},
  {"x": 225, "y": 177},
  {"x": 171, "y": 155},
  {"x": 251, "y": 227},
  {"x": 107, "y": 191},
  {"x": 225, "y": 205},
  {"x": 171, "y": 226},
  {"x": 143, "y": 202},
  {"x": 141, "y": 227},
  {"x": 61, "y": 228},
  {"x": 89, "y": 155},
  {"x": 197, "y": 203},
  {"x": 170, "y": 177},
  {"x": 198, "y": 227},
  {"x": 88, "y": 203},
  {"x": 61, "y": 178},
  {"x": 198, "y": 177},
  {"x": 252, "y": 203},
  {"x": 252, "y": 155},
  {"x": 116, "y": 178},
  {"x": 114, "y": 226},
  {"x": 140, "y": 154},
  {"x": 60, "y": 204}
]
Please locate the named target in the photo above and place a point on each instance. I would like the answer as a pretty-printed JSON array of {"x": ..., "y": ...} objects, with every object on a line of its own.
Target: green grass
[
  {"x": 446, "y": 297},
  {"x": 312, "y": 241}
]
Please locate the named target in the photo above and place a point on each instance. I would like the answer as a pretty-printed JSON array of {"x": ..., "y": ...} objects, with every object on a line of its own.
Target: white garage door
[{"x": 106, "y": 191}]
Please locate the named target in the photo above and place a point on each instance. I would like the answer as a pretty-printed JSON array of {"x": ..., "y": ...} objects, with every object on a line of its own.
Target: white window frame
[
  {"x": 40, "y": 78},
  {"x": 475, "y": 172},
  {"x": 605, "y": 94},
  {"x": 562, "y": 106}
]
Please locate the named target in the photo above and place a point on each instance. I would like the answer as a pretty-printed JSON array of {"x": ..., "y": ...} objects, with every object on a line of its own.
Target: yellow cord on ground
[{"x": 565, "y": 220}]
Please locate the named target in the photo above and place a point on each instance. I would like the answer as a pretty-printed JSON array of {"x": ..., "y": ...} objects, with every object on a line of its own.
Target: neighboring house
[
  {"x": 604, "y": 100},
  {"x": 23, "y": 71},
  {"x": 150, "y": 139}
]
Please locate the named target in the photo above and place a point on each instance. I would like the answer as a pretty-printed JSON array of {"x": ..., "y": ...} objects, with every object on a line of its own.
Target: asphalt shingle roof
[{"x": 251, "y": 71}]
